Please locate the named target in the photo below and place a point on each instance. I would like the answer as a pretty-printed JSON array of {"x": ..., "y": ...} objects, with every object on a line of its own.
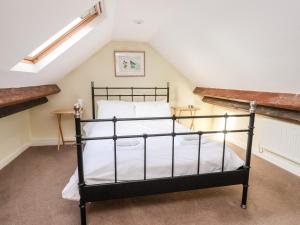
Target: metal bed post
[
  {"x": 106, "y": 93},
  {"x": 145, "y": 155},
  {"x": 173, "y": 142},
  {"x": 248, "y": 153},
  {"x": 93, "y": 98},
  {"x": 115, "y": 137},
  {"x": 168, "y": 91},
  {"x": 199, "y": 151},
  {"x": 81, "y": 183},
  {"x": 224, "y": 141}
]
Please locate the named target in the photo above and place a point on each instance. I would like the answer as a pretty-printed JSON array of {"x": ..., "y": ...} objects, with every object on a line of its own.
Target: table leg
[
  {"x": 58, "y": 133},
  {"x": 61, "y": 136},
  {"x": 174, "y": 112},
  {"x": 192, "y": 123},
  {"x": 179, "y": 114}
]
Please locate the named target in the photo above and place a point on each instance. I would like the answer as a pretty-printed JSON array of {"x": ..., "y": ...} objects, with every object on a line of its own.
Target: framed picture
[{"x": 129, "y": 63}]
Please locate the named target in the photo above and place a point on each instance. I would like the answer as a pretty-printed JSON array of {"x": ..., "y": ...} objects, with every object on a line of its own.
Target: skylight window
[
  {"x": 60, "y": 42},
  {"x": 62, "y": 36}
]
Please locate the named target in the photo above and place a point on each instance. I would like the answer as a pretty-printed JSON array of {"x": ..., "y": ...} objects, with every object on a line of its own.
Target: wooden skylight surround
[{"x": 46, "y": 50}]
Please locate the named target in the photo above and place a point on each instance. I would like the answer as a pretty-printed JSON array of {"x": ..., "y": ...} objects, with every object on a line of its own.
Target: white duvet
[{"x": 98, "y": 156}]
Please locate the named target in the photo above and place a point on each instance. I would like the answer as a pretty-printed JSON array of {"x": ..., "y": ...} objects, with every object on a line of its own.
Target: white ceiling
[{"x": 238, "y": 44}]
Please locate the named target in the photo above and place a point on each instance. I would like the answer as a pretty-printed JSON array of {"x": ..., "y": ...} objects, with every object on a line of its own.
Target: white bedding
[{"x": 98, "y": 156}]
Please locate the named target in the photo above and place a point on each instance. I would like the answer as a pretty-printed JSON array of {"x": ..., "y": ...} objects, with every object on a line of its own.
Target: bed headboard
[{"x": 131, "y": 94}]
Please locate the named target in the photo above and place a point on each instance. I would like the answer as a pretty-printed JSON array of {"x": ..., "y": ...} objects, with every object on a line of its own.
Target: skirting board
[
  {"x": 39, "y": 142},
  {"x": 280, "y": 162},
  {"x": 48, "y": 141},
  {"x": 274, "y": 159},
  {"x": 4, "y": 162}
]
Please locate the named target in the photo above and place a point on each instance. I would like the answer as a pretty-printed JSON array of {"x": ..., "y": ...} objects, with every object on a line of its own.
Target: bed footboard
[{"x": 92, "y": 193}]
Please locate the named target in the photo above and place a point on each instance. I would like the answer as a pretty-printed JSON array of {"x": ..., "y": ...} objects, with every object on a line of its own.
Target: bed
[{"x": 136, "y": 148}]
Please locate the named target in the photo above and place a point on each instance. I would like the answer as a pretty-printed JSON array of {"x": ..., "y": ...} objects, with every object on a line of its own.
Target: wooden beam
[
  {"x": 276, "y": 100},
  {"x": 283, "y": 114},
  {"x": 11, "y": 109},
  {"x": 13, "y": 96}
]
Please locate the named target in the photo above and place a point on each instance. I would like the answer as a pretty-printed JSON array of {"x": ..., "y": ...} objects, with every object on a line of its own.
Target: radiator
[{"x": 281, "y": 139}]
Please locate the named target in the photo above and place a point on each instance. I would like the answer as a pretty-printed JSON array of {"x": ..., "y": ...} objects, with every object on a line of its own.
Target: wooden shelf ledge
[
  {"x": 13, "y": 96},
  {"x": 13, "y": 100},
  {"x": 11, "y": 109},
  {"x": 287, "y": 101},
  {"x": 282, "y": 114}
]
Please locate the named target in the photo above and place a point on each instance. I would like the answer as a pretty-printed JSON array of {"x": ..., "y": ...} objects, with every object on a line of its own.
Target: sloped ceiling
[{"x": 236, "y": 44}]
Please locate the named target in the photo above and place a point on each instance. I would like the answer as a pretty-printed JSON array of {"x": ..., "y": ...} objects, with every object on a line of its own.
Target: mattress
[{"x": 98, "y": 155}]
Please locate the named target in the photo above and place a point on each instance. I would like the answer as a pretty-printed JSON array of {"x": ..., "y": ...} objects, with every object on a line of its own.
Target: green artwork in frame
[{"x": 129, "y": 63}]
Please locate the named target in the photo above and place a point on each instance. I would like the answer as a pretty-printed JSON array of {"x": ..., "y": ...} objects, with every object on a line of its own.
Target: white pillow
[
  {"x": 108, "y": 109},
  {"x": 152, "y": 109}
]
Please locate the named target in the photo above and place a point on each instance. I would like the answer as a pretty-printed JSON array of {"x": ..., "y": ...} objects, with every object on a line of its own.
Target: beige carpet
[{"x": 30, "y": 194}]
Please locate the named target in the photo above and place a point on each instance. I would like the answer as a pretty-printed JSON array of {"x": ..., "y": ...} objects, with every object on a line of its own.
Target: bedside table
[
  {"x": 59, "y": 114},
  {"x": 191, "y": 109}
]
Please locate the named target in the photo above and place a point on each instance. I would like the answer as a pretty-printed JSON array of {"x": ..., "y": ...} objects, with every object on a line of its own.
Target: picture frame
[{"x": 129, "y": 63}]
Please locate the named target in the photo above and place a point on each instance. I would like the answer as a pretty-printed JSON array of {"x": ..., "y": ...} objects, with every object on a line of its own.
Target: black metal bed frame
[{"x": 116, "y": 189}]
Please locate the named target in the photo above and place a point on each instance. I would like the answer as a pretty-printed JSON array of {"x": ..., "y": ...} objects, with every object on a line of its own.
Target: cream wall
[
  {"x": 15, "y": 136},
  {"x": 100, "y": 68},
  {"x": 271, "y": 134}
]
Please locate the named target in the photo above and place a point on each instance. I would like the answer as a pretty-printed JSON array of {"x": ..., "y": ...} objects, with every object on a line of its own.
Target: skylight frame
[{"x": 84, "y": 21}]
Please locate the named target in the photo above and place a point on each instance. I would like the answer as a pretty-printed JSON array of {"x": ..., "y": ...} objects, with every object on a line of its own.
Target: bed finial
[
  {"x": 77, "y": 109},
  {"x": 168, "y": 84},
  {"x": 252, "y": 107}
]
